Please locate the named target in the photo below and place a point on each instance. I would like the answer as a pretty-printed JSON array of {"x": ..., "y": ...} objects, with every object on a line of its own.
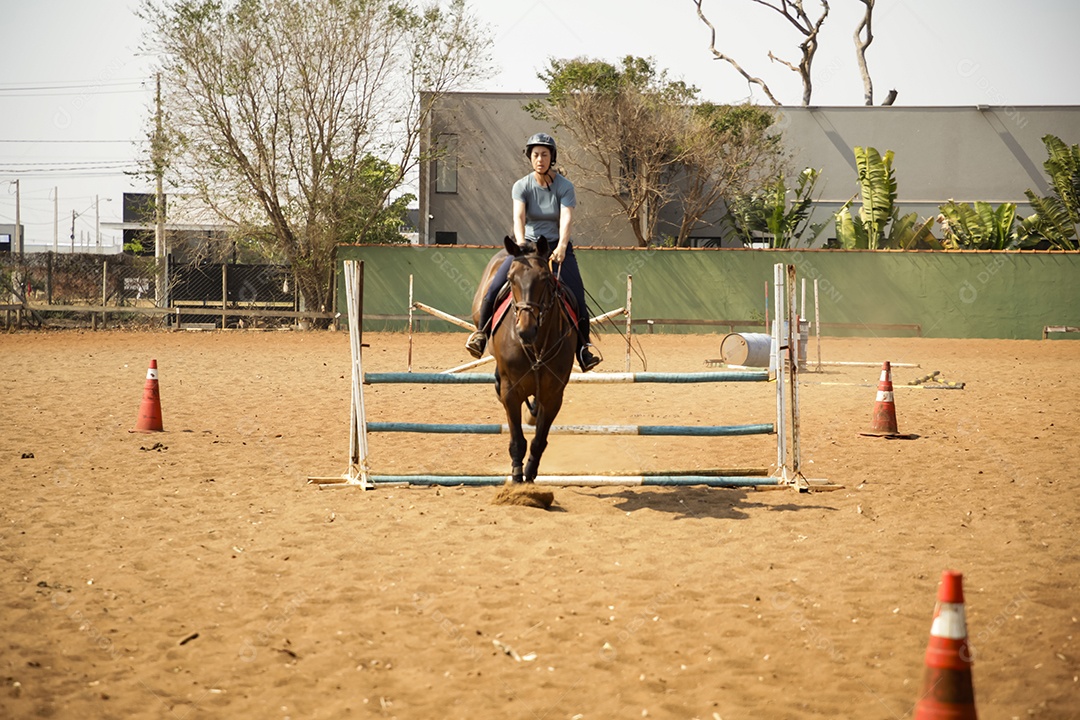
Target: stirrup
[
  {"x": 476, "y": 344},
  {"x": 586, "y": 359}
]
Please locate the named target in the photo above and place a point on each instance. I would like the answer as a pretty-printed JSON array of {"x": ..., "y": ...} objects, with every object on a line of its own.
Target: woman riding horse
[
  {"x": 533, "y": 347},
  {"x": 543, "y": 207}
]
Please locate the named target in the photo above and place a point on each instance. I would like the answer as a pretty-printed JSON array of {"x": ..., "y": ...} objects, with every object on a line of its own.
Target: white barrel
[{"x": 747, "y": 349}]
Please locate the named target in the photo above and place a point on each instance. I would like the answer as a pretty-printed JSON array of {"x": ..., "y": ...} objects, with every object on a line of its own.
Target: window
[
  {"x": 446, "y": 164},
  {"x": 444, "y": 237}
]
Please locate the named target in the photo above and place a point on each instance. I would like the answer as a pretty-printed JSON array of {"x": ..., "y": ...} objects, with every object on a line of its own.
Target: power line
[
  {"x": 68, "y": 85},
  {"x": 118, "y": 172},
  {"x": 12, "y": 94},
  {"x": 118, "y": 168},
  {"x": 144, "y": 140},
  {"x": 102, "y": 162}
]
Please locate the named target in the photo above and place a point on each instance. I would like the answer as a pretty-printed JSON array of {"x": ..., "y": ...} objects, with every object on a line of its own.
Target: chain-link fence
[
  {"x": 245, "y": 287},
  {"x": 80, "y": 289}
]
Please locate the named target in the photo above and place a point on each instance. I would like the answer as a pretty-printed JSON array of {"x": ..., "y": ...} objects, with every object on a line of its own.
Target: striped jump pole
[
  {"x": 504, "y": 429},
  {"x": 420, "y": 378},
  {"x": 725, "y": 481}
]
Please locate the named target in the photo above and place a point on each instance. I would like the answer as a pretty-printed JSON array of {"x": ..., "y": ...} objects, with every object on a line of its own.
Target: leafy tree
[
  {"x": 296, "y": 121},
  {"x": 647, "y": 144},
  {"x": 1056, "y": 217}
]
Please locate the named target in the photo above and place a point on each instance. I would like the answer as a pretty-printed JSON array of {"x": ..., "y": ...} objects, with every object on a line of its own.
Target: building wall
[
  {"x": 491, "y": 130},
  {"x": 961, "y": 153},
  {"x": 965, "y": 154}
]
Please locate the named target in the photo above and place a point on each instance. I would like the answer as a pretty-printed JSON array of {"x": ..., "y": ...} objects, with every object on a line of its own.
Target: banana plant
[
  {"x": 981, "y": 227},
  {"x": 877, "y": 185},
  {"x": 879, "y": 212},
  {"x": 767, "y": 211},
  {"x": 1056, "y": 217},
  {"x": 907, "y": 232},
  {"x": 877, "y": 189}
]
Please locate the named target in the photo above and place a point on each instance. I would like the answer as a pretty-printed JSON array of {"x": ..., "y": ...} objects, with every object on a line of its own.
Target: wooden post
[
  {"x": 224, "y": 291},
  {"x": 629, "y": 316},
  {"x": 794, "y": 333},
  {"x": 104, "y": 291},
  {"x": 409, "y": 363},
  {"x": 776, "y": 362},
  {"x": 358, "y": 447},
  {"x": 817, "y": 324},
  {"x": 766, "y": 307}
]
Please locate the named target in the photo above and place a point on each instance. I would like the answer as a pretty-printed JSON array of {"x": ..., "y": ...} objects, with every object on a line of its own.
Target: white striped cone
[
  {"x": 150, "y": 410},
  {"x": 883, "y": 419},
  {"x": 948, "y": 692}
]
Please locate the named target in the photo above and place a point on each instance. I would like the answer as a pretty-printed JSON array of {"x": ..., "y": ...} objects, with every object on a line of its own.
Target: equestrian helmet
[{"x": 543, "y": 140}]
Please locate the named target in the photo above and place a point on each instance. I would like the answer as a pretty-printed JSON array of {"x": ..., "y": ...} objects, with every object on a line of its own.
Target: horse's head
[{"x": 531, "y": 284}]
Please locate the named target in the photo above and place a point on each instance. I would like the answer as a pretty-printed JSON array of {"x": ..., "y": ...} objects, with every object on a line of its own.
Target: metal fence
[{"x": 84, "y": 289}]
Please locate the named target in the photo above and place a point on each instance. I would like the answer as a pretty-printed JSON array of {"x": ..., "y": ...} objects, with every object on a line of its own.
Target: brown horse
[{"x": 533, "y": 349}]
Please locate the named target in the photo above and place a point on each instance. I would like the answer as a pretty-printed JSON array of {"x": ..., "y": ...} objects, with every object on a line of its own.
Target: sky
[{"x": 76, "y": 93}]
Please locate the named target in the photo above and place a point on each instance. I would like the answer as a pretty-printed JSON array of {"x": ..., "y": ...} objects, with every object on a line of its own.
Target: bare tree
[
  {"x": 297, "y": 121},
  {"x": 647, "y": 145},
  {"x": 862, "y": 42},
  {"x": 809, "y": 28},
  {"x": 729, "y": 153}
]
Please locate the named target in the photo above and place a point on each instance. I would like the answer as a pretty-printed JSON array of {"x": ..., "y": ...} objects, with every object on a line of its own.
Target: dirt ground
[{"x": 195, "y": 574}]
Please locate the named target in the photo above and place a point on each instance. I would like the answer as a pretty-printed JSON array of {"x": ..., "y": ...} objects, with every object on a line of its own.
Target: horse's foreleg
[
  {"x": 544, "y": 418},
  {"x": 518, "y": 444}
]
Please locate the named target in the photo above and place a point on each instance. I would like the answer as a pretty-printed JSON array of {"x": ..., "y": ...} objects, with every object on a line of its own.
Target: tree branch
[
  {"x": 794, "y": 13},
  {"x": 721, "y": 56}
]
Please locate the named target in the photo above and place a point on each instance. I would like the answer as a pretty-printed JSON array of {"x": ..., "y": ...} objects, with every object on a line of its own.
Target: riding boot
[
  {"x": 585, "y": 357},
  {"x": 477, "y": 342}
]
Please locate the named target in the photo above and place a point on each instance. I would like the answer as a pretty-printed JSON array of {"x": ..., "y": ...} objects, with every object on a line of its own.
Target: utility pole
[
  {"x": 97, "y": 222},
  {"x": 56, "y": 220},
  {"x": 72, "y": 232},
  {"x": 158, "y": 159},
  {"x": 18, "y": 223}
]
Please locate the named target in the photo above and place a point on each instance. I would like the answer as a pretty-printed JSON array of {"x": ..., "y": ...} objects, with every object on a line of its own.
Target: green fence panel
[{"x": 860, "y": 293}]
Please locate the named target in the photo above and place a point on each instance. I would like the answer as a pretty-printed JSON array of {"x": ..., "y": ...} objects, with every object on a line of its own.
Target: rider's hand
[{"x": 559, "y": 253}]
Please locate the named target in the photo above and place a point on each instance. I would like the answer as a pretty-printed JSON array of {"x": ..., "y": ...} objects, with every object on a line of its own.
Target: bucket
[{"x": 747, "y": 349}]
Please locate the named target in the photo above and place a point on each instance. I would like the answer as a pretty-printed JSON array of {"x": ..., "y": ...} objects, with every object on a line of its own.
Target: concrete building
[{"x": 966, "y": 154}]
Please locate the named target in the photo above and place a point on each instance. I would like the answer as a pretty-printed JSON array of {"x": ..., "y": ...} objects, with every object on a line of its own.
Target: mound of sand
[{"x": 524, "y": 494}]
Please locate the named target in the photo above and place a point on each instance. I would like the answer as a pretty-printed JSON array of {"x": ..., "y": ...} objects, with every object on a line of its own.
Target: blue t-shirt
[{"x": 543, "y": 204}]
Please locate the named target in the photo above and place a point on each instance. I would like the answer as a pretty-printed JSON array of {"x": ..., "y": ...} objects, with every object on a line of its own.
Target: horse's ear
[
  {"x": 542, "y": 247},
  {"x": 511, "y": 246}
]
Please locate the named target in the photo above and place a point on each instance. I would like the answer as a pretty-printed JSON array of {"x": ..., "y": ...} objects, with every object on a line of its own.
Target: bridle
[{"x": 539, "y": 311}]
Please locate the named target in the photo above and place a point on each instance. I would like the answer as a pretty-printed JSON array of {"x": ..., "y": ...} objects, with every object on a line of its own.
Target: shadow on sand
[{"x": 718, "y": 503}]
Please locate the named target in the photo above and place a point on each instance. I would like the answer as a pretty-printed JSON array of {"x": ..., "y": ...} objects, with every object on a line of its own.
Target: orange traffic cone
[
  {"x": 883, "y": 419},
  {"x": 150, "y": 411},
  {"x": 947, "y": 692}
]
